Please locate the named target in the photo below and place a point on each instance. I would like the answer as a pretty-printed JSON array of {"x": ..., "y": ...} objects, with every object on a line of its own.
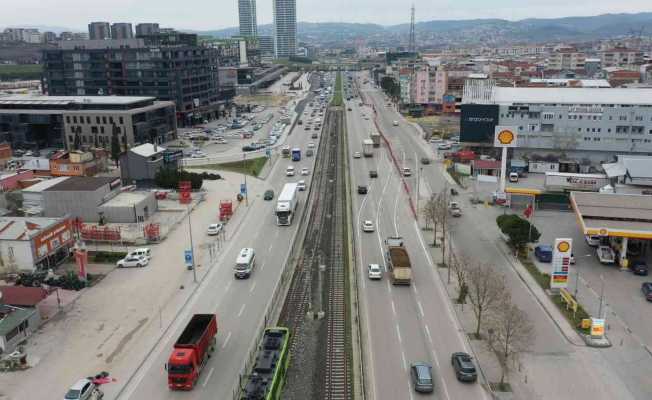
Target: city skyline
[{"x": 383, "y": 12}]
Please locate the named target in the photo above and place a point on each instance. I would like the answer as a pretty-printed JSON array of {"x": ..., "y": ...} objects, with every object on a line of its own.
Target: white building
[{"x": 285, "y": 28}]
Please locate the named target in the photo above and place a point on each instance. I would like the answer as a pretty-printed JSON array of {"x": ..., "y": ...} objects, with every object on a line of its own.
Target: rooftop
[
  {"x": 19, "y": 99},
  {"x": 614, "y": 214},
  {"x": 23, "y": 228},
  {"x": 10, "y": 317},
  {"x": 127, "y": 199},
  {"x": 81, "y": 183},
  {"x": 46, "y": 184},
  {"x": 22, "y": 296},
  {"x": 147, "y": 150},
  {"x": 510, "y": 95}
]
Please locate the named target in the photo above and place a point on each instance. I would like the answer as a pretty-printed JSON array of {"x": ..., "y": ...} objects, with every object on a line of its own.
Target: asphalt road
[
  {"x": 577, "y": 371},
  {"x": 404, "y": 324},
  {"x": 239, "y": 304}
]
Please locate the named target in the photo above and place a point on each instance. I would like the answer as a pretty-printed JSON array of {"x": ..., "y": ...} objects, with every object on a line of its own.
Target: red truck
[{"x": 191, "y": 351}]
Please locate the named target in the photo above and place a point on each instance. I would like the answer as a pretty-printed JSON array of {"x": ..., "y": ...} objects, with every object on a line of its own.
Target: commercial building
[
  {"x": 247, "y": 14},
  {"x": 31, "y": 243},
  {"x": 285, "y": 28},
  {"x": 168, "y": 65},
  {"x": 141, "y": 163},
  {"x": 89, "y": 199},
  {"x": 576, "y": 121},
  {"x": 145, "y": 29},
  {"x": 99, "y": 31},
  {"x": 121, "y": 30},
  {"x": 55, "y": 121}
]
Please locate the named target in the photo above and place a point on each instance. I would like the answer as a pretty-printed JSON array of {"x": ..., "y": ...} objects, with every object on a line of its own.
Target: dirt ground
[{"x": 443, "y": 125}]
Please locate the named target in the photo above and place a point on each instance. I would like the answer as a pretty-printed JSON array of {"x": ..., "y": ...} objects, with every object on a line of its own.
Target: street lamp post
[
  {"x": 192, "y": 248},
  {"x": 601, "y": 296}
]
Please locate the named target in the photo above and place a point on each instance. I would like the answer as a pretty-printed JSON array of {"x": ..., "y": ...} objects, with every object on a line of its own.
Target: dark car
[
  {"x": 639, "y": 268},
  {"x": 349, "y": 109},
  {"x": 425, "y": 160},
  {"x": 269, "y": 194},
  {"x": 362, "y": 189},
  {"x": 543, "y": 253},
  {"x": 421, "y": 375},
  {"x": 373, "y": 174},
  {"x": 646, "y": 288},
  {"x": 464, "y": 367}
]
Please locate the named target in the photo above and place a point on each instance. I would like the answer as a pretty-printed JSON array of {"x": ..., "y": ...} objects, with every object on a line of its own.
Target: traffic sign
[
  {"x": 187, "y": 255},
  {"x": 243, "y": 188}
]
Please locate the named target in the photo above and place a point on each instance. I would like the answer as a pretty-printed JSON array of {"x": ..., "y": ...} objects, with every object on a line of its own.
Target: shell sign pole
[
  {"x": 504, "y": 137},
  {"x": 81, "y": 257},
  {"x": 561, "y": 254}
]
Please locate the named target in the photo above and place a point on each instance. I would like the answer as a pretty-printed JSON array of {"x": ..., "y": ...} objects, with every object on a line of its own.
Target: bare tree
[
  {"x": 429, "y": 211},
  {"x": 510, "y": 333},
  {"x": 460, "y": 266},
  {"x": 486, "y": 290},
  {"x": 442, "y": 218}
]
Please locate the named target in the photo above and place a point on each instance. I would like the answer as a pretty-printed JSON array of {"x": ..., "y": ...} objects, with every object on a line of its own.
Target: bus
[{"x": 272, "y": 360}]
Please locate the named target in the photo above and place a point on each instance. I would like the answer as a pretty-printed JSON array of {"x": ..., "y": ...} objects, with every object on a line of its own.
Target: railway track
[{"x": 315, "y": 307}]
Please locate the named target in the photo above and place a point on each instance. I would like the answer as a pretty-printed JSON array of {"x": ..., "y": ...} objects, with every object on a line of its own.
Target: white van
[
  {"x": 141, "y": 252},
  {"x": 513, "y": 177},
  {"x": 289, "y": 171},
  {"x": 245, "y": 263}
]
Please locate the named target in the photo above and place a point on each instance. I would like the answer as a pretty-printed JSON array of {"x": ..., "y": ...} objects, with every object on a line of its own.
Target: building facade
[
  {"x": 562, "y": 120},
  {"x": 141, "y": 164},
  {"x": 566, "y": 59},
  {"x": 99, "y": 31},
  {"x": 145, "y": 29},
  {"x": 248, "y": 21},
  {"x": 57, "y": 121},
  {"x": 168, "y": 66},
  {"x": 122, "y": 30},
  {"x": 285, "y": 28}
]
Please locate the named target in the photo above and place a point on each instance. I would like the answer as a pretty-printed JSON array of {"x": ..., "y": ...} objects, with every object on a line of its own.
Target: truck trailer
[
  {"x": 368, "y": 148},
  {"x": 286, "y": 204},
  {"x": 191, "y": 351},
  {"x": 375, "y": 137},
  {"x": 398, "y": 261},
  {"x": 561, "y": 181}
]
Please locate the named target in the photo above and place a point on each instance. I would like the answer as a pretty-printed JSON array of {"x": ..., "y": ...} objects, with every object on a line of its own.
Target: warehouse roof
[
  {"x": 81, "y": 183},
  {"x": 59, "y": 100},
  {"x": 147, "y": 150},
  {"x": 44, "y": 185},
  {"x": 510, "y": 95},
  {"x": 23, "y": 228}
]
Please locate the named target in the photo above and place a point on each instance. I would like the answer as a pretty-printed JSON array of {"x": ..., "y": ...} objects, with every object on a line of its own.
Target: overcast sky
[{"x": 216, "y": 14}]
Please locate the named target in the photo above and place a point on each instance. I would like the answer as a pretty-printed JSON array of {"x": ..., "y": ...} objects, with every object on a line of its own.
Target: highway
[
  {"x": 239, "y": 304},
  {"x": 578, "y": 371},
  {"x": 403, "y": 324}
]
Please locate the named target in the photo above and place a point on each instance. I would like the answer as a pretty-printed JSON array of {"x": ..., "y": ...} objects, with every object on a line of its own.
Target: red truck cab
[{"x": 191, "y": 352}]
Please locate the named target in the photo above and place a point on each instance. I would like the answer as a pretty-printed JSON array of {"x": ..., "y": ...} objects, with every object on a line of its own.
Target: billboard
[
  {"x": 478, "y": 123},
  {"x": 597, "y": 327},
  {"x": 561, "y": 255}
]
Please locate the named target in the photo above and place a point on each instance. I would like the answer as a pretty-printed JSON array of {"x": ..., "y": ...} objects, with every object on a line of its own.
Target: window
[
  {"x": 101, "y": 129},
  {"x": 97, "y": 120},
  {"x": 596, "y": 139},
  {"x": 67, "y": 119},
  {"x": 110, "y": 120},
  {"x": 88, "y": 120},
  {"x": 104, "y": 120},
  {"x": 122, "y": 121},
  {"x": 611, "y": 118},
  {"x": 71, "y": 139},
  {"x": 93, "y": 129},
  {"x": 638, "y": 118},
  {"x": 638, "y": 129},
  {"x": 74, "y": 119},
  {"x": 622, "y": 118}
]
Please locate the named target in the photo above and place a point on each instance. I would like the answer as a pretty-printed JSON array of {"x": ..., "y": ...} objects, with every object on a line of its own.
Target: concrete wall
[{"x": 139, "y": 211}]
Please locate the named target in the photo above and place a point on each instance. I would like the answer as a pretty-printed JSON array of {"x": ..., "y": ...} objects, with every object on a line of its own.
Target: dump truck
[
  {"x": 191, "y": 351},
  {"x": 398, "y": 261}
]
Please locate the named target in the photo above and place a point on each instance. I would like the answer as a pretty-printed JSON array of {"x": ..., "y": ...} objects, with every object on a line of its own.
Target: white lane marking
[
  {"x": 226, "y": 341},
  {"x": 389, "y": 287},
  {"x": 241, "y": 310},
  {"x": 396, "y": 197},
  {"x": 404, "y": 361},
  {"x": 252, "y": 288},
  {"x": 398, "y": 333},
  {"x": 393, "y": 308},
  {"x": 228, "y": 286},
  {"x": 270, "y": 247},
  {"x": 420, "y": 309},
  {"x": 414, "y": 288},
  {"x": 428, "y": 334},
  {"x": 208, "y": 376},
  {"x": 261, "y": 267}
]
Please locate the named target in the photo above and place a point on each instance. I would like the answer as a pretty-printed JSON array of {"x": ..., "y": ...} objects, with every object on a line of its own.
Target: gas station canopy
[{"x": 613, "y": 214}]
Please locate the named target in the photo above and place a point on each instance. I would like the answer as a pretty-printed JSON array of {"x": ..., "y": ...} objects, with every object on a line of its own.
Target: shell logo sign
[
  {"x": 505, "y": 136},
  {"x": 563, "y": 246}
]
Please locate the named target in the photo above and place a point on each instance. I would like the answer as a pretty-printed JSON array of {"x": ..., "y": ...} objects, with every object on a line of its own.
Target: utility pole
[
  {"x": 192, "y": 248},
  {"x": 601, "y": 296}
]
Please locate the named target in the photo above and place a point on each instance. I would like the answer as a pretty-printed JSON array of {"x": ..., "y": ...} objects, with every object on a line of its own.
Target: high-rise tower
[
  {"x": 285, "y": 28},
  {"x": 247, "y": 13}
]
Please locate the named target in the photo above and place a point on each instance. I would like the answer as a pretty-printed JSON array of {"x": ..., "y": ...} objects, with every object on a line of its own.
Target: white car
[
  {"x": 289, "y": 171},
  {"x": 367, "y": 226},
  {"x": 305, "y": 171},
  {"x": 357, "y": 154},
  {"x": 444, "y": 146},
  {"x": 214, "y": 229},
  {"x": 435, "y": 140},
  {"x": 311, "y": 145},
  {"x": 132, "y": 261},
  {"x": 198, "y": 154},
  {"x": 83, "y": 389},
  {"x": 374, "y": 271},
  {"x": 592, "y": 240},
  {"x": 395, "y": 123},
  {"x": 407, "y": 171},
  {"x": 301, "y": 185}
]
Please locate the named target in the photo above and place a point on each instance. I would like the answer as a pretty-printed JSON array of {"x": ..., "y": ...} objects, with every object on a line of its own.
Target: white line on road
[
  {"x": 420, "y": 309},
  {"x": 228, "y": 286},
  {"x": 404, "y": 361},
  {"x": 428, "y": 334},
  {"x": 398, "y": 332},
  {"x": 270, "y": 247},
  {"x": 261, "y": 267},
  {"x": 241, "y": 310},
  {"x": 226, "y": 341},
  {"x": 252, "y": 287},
  {"x": 208, "y": 376},
  {"x": 393, "y": 308}
]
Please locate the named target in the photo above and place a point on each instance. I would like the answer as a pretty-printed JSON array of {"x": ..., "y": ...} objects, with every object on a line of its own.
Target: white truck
[
  {"x": 368, "y": 148},
  {"x": 562, "y": 181},
  {"x": 286, "y": 204}
]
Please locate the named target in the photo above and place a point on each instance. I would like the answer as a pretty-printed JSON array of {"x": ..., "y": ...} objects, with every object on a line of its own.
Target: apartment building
[
  {"x": 247, "y": 16},
  {"x": 99, "y": 31},
  {"x": 565, "y": 59},
  {"x": 621, "y": 57},
  {"x": 285, "y": 28},
  {"x": 122, "y": 30}
]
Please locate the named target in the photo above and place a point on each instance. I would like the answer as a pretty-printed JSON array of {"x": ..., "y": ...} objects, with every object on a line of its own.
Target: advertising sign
[
  {"x": 561, "y": 254},
  {"x": 81, "y": 257},
  {"x": 597, "y": 327},
  {"x": 187, "y": 255},
  {"x": 478, "y": 122},
  {"x": 505, "y": 136}
]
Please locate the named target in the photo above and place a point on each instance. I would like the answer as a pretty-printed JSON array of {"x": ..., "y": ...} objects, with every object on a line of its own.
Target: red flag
[{"x": 528, "y": 211}]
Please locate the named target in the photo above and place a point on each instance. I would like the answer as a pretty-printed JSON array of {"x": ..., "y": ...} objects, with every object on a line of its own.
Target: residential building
[
  {"x": 285, "y": 28},
  {"x": 16, "y": 325},
  {"x": 141, "y": 163},
  {"x": 621, "y": 57},
  {"x": 56, "y": 121},
  {"x": 34, "y": 243},
  {"x": 168, "y": 65},
  {"x": 420, "y": 85},
  {"x": 146, "y": 29},
  {"x": 5, "y": 154},
  {"x": 121, "y": 30},
  {"x": 67, "y": 36},
  {"x": 75, "y": 163},
  {"x": 575, "y": 121},
  {"x": 247, "y": 14},
  {"x": 99, "y": 31},
  {"x": 49, "y": 37},
  {"x": 566, "y": 59},
  {"x": 618, "y": 76}
]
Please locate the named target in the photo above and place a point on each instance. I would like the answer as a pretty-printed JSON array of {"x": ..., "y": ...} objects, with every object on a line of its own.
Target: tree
[
  {"x": 77, "y": 142},
  {"x": 486, "y": 290},
  {"x": 389, "y": 85},
  {"x": 115, "y": 147},
  {"x": 459, "y": 265},
  {"x": 518, "y": 230},
  {"x": 429, "y": 212},
  {"x": 442, "y": 217},
  {"x": 510, "y": 333}
]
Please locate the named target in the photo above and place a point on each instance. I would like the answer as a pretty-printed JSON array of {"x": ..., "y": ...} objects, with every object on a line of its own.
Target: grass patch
[
  {"x": 250, "y": 166},
  {"x": 498, "y": 387},
  {"x": 337, "y": 97},
  {"x": 576, "y": 319},
  {"x": 542, "y": 278},
  {"x": 457, "y": 177},
  {"x": 22, "y": 71}
]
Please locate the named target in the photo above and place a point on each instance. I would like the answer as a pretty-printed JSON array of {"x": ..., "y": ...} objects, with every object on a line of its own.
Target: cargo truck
[
  {"x": 367, "y": 148},
  {"x": 375, "y": 137},
  {"x": 191, "y": 352},
  {"x": 286, "y": 204},
  {"x": 560, "y": 181},
  {"x": 398, "y": 261}
]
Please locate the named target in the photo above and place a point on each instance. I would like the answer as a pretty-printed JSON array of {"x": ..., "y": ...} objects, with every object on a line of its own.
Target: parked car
[
  {"x": 407, "y": 171},
  {"x": 269, "y": 195},
  {"x": 82, "y": 390},
  {"x": 395, "y": 123},
  {"x": 464, "y": 367},
  {"x": 314, "y": 136},
  {"x": 425, "y": 160},
  {"x": 639, "y": 268},
  {"x": 214, "y": 229},
  {"x": 374, "y": 271},
  {"x": 141, "y": 252},
  {"x": 357, "y": 154},
  {"x": 421, "y": 374},
  {"x": 543, "y": 253},
  {"x": 646, "y": 288},
  {"x": 309, "y": 153},
  {"x": 444, "y": 146},
  {"x": 513, "y": 177},
  {"x": 311, "y": 145},
  {"x": 132, "y": 261},
  {"x": 301, "y": 185},
  {"x": 373, "y": 174},
  {"x": 592, "y": 240},
  {"x": 367, "y": 226},
  {"x": 362, "y": 189}
]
